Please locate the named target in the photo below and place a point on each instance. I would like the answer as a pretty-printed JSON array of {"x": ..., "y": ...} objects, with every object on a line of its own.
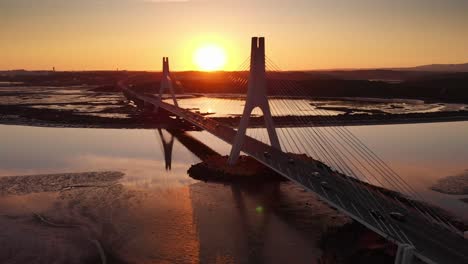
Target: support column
[
  {"x": 166, "y": 83},
  {"x": 404, "y": 254},
  {"x": 256, "y": 97}
]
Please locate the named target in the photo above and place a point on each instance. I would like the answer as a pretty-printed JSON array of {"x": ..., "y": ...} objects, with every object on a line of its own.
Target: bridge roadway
[{"x": 432, "y": 242}]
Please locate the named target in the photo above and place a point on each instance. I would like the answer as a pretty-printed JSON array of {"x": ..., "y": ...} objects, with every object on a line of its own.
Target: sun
[{"x": 210, "y": 58}]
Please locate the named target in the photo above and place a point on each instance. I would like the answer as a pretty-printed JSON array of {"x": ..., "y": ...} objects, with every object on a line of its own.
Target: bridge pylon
[
  {"x": 166, "y": 83},
  {"x": 256, "y": 97}
]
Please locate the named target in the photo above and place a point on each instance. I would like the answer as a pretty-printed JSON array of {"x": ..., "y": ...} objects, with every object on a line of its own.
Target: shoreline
[
  {"x": 352, "y": 120},
  {"x": 453, "y": 185},
  {"x": 147, "y": 122},
  {"x": 88, "y": 107}
]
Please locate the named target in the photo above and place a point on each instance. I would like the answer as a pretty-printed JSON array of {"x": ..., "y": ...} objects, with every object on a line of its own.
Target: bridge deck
[{"x": 433, "y": 244}]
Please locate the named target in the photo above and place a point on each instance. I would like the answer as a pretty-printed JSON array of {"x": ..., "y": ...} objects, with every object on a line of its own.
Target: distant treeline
[{"x": 357, "y": 83}]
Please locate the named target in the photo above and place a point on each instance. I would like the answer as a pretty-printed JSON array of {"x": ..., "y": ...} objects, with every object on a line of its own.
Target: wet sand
[
  {"x": 84, "y": 106},
  {"x": 215, "y": 168},
  {"x": 455, "y": 185},
  {"x": 200, "y": 223},
  {"x": 80, "y": 107},
  {"x": 18, "y": 185}
]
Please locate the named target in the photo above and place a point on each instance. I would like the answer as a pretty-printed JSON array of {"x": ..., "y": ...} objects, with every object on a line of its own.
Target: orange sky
[{"x": 301, "y": 34}]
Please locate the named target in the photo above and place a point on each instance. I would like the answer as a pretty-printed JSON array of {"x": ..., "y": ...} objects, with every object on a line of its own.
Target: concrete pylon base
[{"x": 404, "y": 254}]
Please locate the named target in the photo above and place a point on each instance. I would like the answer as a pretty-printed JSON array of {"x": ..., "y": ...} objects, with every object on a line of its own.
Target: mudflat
[{"x": 457, "y": 184}]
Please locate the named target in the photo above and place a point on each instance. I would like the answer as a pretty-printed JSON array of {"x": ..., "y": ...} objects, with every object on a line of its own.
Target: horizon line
[{"x": 283, "y": 70}]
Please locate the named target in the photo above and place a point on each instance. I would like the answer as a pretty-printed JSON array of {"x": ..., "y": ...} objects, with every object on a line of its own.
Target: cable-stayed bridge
[{"x": 338, "y": 167}]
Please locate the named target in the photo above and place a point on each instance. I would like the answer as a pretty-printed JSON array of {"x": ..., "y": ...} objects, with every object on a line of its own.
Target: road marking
[
  {"x": 424, "y": 215},
  {"x": 310, "y": 183},
  {"x": 357, "y": 211},
  {"x": 455, "y": 229},
  {"x": 300, "y": 177},
  {"x": 378, "y": 223},
  {"x": 325, "y": 192},
  {"x": 395, "y": 231},
  {"x": 396, "y": 199},
  {"x": 342, "y": 205},
  {"x": 407, "y": 239},
  {"x": 313, "y": 188}
]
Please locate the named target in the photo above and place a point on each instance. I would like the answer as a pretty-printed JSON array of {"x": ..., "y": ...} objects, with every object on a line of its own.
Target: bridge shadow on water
[
  {"x": 271, "y": 222},
  {"x": 276, "y": 223}
]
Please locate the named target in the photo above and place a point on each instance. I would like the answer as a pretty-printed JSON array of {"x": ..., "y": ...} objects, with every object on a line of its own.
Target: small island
[
  {"x": 216, "y": 168},
  {"x": 455, "y": 185}
]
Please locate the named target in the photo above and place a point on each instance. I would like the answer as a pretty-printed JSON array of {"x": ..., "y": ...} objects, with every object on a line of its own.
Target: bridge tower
[
  {"x": 166, "y": 83},
  {"x": 256, "y": 97}
]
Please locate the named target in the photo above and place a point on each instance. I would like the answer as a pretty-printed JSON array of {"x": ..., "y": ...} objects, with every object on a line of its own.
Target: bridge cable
[
  {"x": 343, "y": 162},
  {"x": 367, "y": 156},
  {"x": 325, "y": 148},
  {"x": 286, "y": 106}
]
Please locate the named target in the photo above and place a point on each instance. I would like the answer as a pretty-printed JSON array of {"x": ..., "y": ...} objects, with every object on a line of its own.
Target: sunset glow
[
  {"x": 220, "y": 131},
  {"x": 321, "y": 34},
  {"x": 210, "y": 58}
]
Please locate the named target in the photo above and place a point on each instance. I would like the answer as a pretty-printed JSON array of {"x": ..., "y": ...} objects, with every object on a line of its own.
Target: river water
[
  {"x": 232, "y": 105},
  {"x": 157, "y": 213}
]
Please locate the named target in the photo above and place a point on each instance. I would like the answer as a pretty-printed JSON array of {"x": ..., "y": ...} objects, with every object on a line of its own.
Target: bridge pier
[
  {"x": 404, "y": 254},
  {"x": 256, "y": 97}
]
